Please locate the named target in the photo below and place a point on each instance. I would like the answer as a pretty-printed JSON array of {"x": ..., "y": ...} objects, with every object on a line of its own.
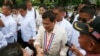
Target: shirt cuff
[{"x": 82, "y": 51}]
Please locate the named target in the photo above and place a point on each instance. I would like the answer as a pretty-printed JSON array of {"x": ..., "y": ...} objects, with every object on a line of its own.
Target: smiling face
[
  {"x": 48, "y": 25},
  {"x": 6, "y": 10}
]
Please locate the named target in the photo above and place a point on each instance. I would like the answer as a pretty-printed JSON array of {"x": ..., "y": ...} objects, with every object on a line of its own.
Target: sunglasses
[{"x": 82, "y": 19}]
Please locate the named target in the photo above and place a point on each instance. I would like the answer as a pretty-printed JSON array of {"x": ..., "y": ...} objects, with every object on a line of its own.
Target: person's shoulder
[
  {"x": 11, "y": 19},
  {"x": 1, "y": 15},
  {"x": 59, "y": 29},
  {"x": 67, "y": 23},
  {"x": 41, "y": 28},
  {"x": 33, "y": 9}
]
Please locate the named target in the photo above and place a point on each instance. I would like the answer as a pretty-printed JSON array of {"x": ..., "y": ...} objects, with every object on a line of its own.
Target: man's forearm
[{"x": 39, "y": 49}]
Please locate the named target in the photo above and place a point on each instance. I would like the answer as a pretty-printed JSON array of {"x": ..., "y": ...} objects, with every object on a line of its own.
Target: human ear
[{"x": 91, "y": 46}]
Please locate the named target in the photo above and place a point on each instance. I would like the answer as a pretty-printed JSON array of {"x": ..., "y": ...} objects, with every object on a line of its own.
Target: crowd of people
[{"x": 26, "y": 31}]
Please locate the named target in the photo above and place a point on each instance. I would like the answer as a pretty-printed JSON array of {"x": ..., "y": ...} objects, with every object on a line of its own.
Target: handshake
[
  {"x": 74, "y": 49},
  {"x": 29, "y": 51}
]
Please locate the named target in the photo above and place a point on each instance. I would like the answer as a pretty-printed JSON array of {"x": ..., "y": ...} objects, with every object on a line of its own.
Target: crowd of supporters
[{"x": 26, "y": 31}]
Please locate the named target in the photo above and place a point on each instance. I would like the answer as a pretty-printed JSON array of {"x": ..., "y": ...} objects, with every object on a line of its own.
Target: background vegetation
[{"x": 53, "y": 2}]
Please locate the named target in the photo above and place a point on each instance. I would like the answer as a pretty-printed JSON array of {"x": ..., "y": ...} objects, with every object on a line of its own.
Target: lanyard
[{"x": 47, "y": 46}]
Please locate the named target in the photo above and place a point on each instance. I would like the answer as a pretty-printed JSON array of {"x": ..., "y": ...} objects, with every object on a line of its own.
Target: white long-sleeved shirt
[
  {"x": 74, "y": 39},
  {"x": 72, "y": 33},
  {"x": 28, "y": 27},
  {"x": 67, "y": 26},
  {"x": 9, "y": 30},
  {"x": 39, "y": 21},
  {"x": 16, "y": 17},
  {"x": 32, "y": 13},
  {"x": 3, "y": 41}
]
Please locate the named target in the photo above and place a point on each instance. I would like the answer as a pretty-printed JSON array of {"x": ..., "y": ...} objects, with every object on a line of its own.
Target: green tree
[
  {"x": 98, "y": 3},
  {"x": 41, "y": 1}
]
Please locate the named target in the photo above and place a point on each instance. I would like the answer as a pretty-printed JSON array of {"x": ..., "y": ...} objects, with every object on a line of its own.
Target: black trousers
[{"x": 24, "y": 44}]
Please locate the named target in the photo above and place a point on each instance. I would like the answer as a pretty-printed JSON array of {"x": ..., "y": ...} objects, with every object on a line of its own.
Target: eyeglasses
[{"x": 82, "y": 19}]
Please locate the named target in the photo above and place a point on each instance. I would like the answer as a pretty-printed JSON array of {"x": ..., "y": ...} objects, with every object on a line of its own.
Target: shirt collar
[
  {"x": 61, "y": 21},
  {"x": 7, "y": 16},
  {"x": 54, "y": 30}
]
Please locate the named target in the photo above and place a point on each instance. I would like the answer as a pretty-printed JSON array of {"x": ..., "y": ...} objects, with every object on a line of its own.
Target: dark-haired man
[
  {"x": 89, "y": 38},
  {"x": 27, "y": 25},
  {"x": 9, "y": 30},
  {"x": 86, "y": 14},
  {"x": 15, "y": 14},
  {"x": 32, "y": 11},
  {"x": 62, "y": 22},
  {"x": 51, "y": 39}
]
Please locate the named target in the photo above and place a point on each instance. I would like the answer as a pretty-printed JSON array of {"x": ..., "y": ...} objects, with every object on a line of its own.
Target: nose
[{"x": 45, "y": 26}]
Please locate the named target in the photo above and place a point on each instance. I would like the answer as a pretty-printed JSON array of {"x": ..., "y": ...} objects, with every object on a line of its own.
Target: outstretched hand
[{"x": 76, "y": 51}]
